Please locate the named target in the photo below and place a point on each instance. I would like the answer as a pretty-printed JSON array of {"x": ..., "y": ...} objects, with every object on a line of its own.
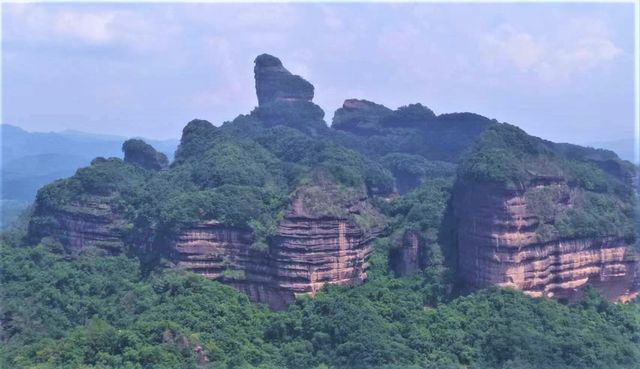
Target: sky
[{"x": 560, "y": 71}]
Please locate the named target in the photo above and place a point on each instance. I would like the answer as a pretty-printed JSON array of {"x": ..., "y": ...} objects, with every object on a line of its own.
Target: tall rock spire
[{"x": 274, "y": 82}]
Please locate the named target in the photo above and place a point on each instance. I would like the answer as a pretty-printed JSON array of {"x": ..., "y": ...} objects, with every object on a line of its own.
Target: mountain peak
[
  {"x": 267, "y": 60},
  {"x": 274, "y": 82}
]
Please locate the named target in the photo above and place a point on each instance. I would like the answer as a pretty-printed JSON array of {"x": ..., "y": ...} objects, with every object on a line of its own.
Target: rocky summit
[{"x": 274, "y": 82}]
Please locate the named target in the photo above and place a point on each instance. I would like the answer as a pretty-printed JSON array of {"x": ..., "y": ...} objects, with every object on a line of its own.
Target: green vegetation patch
[{"x": 103, "y": 312}]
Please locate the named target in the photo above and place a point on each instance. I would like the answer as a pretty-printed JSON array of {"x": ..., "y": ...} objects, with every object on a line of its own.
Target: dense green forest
[{"x": 104, "y": 312}]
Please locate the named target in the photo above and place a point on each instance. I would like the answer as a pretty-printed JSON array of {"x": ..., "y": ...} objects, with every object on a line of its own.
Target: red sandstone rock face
[
  {"x": 498, "y": 245},
  {"x": 306, "y": 253},
  {"x": 310, "y": 252},
  {"x": 81, "y": 225},
  {"x": 221, "y": 252}
]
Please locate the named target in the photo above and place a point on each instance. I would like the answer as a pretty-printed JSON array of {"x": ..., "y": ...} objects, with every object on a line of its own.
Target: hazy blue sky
[{"x": 560, "y": 71}]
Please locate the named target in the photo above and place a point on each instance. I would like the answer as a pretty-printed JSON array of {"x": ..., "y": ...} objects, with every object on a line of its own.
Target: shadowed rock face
[
  {"x": 413, "y": 129},
  {"x": 274, "y": 82},
  {"x": 359, "y": 117},
  {"x": 88, "y": 223},
  {"x": 284, "y": 98},
  {"x": 406, "y": 259},
  {"x": 498, "y": 245},
  {"x": 140, "y": 153},
  {"x": 307, "y": 252}
]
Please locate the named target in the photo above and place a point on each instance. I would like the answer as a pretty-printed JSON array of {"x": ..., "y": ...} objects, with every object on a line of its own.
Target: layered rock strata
[
  {"x": 310, "y": 252},
  {"x": 307, "y": 252},
  {"x": 84, "y": 224},
  {"x": 498, "y": 245},
  {"x": 225, "y": 253}
]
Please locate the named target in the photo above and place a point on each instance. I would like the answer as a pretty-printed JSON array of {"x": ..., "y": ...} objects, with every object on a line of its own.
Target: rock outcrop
[
  {"x": 360, "y": 117},
  {"x": 313, "y": 248},
  {"x": 80, "y": 225},
  {"x": 499, "y": 244},
  {"x": 140, "y": 153},
  {"x": 307, "y": 251},
  {"x": 285, "y": 98},
  {"x": 225, "y": 253},
  {"x": 274, "y": 82},
  {"x": 412, "y": 129}
]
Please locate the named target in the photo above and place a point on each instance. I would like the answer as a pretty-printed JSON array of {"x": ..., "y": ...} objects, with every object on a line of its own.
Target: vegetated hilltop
[
  {"x": 545, "y": 218},
  {"x": 365, "y": 234},
  {"x": 31, "y": 160}
]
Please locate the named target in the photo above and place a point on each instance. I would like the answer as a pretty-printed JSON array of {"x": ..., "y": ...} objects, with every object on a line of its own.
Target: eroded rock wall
[
  {"x": 309, "y": 252},
  {"x": 306, "y": 253},
  {"x": 498, "y": 245},
  {"x": 225, "y": 253},
  {"x": 88, "y": 223}
]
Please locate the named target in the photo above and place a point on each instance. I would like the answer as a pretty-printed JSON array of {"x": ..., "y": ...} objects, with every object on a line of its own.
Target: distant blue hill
[{"x": 30, "y": 160}]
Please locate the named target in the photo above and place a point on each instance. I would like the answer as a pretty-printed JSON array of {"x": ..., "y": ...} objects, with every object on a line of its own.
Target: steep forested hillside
[{"x": 275, "y": 241}]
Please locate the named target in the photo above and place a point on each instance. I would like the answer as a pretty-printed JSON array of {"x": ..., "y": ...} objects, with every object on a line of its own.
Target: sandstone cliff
[
  {"x": 407, "y": 258},
  {"x": 499, "y": 245},
  {"x": 281, "y": 211},
  {"x": 82, "y": 212},
  {"x": 308, "y": 250},
  {"x": 285, "y": 98},
  {"x": 548, "y": 232},
  {"x": 81, "y": 225}
]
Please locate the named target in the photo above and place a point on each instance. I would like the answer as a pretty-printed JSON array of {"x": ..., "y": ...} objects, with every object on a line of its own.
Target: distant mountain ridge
[
  {"x": 30, "y": 160},
  {"x": 16, "y": 141}
]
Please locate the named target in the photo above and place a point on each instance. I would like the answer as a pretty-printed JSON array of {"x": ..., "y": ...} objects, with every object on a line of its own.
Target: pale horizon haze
[{"x": 564, "y": 72}]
